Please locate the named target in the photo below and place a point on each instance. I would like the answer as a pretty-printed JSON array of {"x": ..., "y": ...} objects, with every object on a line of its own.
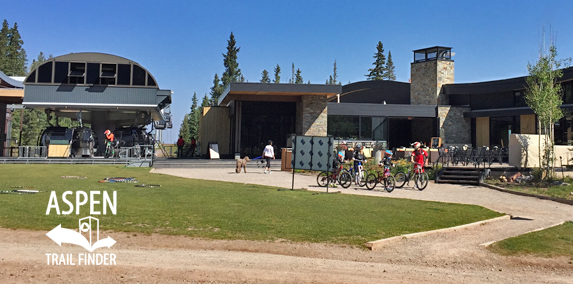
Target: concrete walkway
[{"x": 530, "y": 213}]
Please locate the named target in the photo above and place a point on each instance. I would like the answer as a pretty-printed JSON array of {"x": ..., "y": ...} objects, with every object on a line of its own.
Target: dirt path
[{"x": 452, "y": 257}]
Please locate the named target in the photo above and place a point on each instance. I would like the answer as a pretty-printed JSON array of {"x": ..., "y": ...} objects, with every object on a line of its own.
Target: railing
[
  {"x": 40, "y": 152},
  {"x": 467, "y": 155}
]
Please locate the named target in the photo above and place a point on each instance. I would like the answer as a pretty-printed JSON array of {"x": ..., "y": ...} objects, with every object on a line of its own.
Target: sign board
[
  {"x": 312, "y": 153},
  {"x": 214, "y": 151}
]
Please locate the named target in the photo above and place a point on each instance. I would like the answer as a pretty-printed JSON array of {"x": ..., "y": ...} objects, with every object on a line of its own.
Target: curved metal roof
[{"x": 92, "y": 57}]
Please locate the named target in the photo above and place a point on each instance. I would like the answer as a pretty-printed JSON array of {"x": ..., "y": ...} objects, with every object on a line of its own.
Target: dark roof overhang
[
  {"x": 275, "y": 92},
  {"x": 391, "y": 110}
]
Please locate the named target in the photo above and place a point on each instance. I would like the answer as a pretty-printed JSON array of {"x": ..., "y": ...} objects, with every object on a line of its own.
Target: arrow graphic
[{"x": 62, "y": 235}]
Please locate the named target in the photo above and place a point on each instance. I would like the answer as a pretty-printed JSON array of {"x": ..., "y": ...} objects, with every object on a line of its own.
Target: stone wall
[
  {"x": 311, "y": 116},
  {"x": 454, "y": 128},
  {"x": 427, "y": 79}
]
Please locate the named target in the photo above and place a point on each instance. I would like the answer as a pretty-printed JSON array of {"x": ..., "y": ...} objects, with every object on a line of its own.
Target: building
[
  {"x": 431, "y": 105},
  {"x": 11, "y": 92},
  {"x": 106, "y": 91}
]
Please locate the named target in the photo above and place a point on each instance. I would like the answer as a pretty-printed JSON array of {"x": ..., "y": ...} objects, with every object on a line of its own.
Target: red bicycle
[
  {"x": 343, "y": 178},
  {"x": 382, "y": 177},
  {"x": 419, "y": 176}
]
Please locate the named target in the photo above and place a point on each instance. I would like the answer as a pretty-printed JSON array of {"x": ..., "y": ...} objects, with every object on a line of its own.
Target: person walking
[
  {"x": 268, "y": 154},
  {"x": 180, "y": 144}
]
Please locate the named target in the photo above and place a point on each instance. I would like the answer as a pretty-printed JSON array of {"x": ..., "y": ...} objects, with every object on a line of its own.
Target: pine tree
[
  {"x": 16, "y": 54},
  {"x": 265, "y": 77},
  {"x": 334, "y": 74},
  {"x": 216, "y": 90},
  {"x": 298, "y": 77},
  {"x": 377, "y": 73},
  {"x": 194, "y": 118},
  {"x": 4, "y": 41},
  {"x": 389, "y": 75},
  {"x": 292, "y": 78},
  {"x": 232, "y": 72},
  {"x": 277, "y": 74}
]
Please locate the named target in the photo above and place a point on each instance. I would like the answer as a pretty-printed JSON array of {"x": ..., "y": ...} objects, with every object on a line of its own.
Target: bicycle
[
  {"x": 382, "y": 177},
  {"x": 340, "y": 176},
  {"x": 419, "y": 176},
  {"x": 357, "y": 175}
]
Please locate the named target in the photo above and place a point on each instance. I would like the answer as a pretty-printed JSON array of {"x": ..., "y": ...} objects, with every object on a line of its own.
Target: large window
[
  {"x": 501, "y": 128},
  {"x": 77, "y": 73},
  {"x": 358, "y": 127}
]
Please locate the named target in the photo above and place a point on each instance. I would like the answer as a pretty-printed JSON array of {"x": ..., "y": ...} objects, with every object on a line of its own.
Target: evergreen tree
[
  {"x": 329, "y": 81},
  {"x": 298, "y": 77},
  {"x": 194, "y": 117},
  {"x": 184, "y": 129},
  {"x": 377, "y": 73},
  {"x": 12, "y": 55},
  {"x": 4, "y": 41},
  {"x": 292, "y": 78},
  {"x": 232, "y": 72},
  {"x": 334, "y": 74},
  {"x": 265, "y": 78},
  {"x": 277, "y": 74},
  {"x": 389, "y": 75},
  {"x": 216, "y": 90}
]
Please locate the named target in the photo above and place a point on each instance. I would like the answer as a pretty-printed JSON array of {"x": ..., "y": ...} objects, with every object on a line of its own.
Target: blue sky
[{"x": 181, "y": 42}]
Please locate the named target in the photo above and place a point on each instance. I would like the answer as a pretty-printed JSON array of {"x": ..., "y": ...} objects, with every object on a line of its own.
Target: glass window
[
  {"x": 93, "y": 74},
  {"x": 380, "y": 128},
  {"x": 365, "y": 127},
  {"x": 567, "y": 94},
  {"x": 108, "y": 70},
  {"x": 124, "y": 74},
  {"x": 138, "y": 76},
  {"x": 61, "y": 73},
  {"x": 150, "y": 81},
  {"x": 444, "y": 53},
  {"x": 45, "y": 73},
  {"x": 419, "y": 56},
  {"x": 519, "y": 99},
  {"x": 77, "y": 73},
  {"x": 501, "y": 128},
  {"x": 343, "y": 127},
  {"x": 432, "y": 53},
  {"x": 31, "y": 78}
]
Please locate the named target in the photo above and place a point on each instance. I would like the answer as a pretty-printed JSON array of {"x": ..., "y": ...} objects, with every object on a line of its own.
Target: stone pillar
[
  {"x": 2, "y": 128},
  {"x": 454, "y": 128},
  {"x": 427, "y": 79},
  {"x": 311, "y": 116}
]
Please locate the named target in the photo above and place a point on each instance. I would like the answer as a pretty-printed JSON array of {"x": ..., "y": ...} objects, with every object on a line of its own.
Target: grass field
[
  {"x": 555, "y": 241},
  {"x": 219, "y": 210}
]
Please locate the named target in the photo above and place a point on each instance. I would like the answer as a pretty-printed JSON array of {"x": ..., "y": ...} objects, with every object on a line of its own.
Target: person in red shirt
[
  {"x": 110, "y": 143},
  {"x": 419, "y": 156},
  {"x": 180, "y": 144}
]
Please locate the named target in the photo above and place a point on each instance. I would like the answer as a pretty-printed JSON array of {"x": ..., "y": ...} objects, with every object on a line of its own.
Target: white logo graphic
[{"x": 62, "y": 235}]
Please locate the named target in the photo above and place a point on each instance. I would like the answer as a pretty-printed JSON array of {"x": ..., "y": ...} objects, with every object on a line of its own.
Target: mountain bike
[
  {"x": 418, "y": 175},
  {"x": 109, "y": 149},
  {"x": 357, "y": 174},
  {"x": 338, "y": 176},
  {"x": 382, "y": 177}
]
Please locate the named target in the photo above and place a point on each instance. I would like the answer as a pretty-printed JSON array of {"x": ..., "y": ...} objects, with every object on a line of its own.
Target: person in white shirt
[{"x": 268, "y": 154}]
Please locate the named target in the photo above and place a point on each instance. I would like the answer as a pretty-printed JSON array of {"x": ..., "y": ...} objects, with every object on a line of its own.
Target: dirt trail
[{"x": 451, "y": 257}]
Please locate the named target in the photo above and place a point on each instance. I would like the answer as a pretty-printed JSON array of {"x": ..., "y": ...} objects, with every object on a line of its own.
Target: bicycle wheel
[
  {"x": 371, "y": 181},
  {"x": 322, "y": 179},
  {"x": 361, "y": 179},
  {"x": 422, "y": 181},
  {"x": 400, "y": 179},
  {"x": 389, "y": 183},
  {"x": 345, "y": 180}
]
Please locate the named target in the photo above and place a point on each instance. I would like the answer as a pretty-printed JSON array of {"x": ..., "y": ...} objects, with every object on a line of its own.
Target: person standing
[
  {"x": 193, "y": 146},
  {"x": 268, "y": 154},
  {"x": 180, "y": 144}
]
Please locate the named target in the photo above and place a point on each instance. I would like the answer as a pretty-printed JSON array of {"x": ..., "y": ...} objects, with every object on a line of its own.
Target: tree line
[
  {"x": 13, "y": 61},
  {"x": 383, "y": 70}
]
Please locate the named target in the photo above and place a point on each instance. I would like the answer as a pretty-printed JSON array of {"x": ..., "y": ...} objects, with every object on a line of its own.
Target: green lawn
[
  {"x": 544, "y": 189},
  {"x": 555, "y": 241},
  {"x": 220, "y": 210}
]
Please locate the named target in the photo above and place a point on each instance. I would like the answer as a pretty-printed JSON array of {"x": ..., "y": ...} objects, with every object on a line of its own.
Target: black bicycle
[{"x": 418, "y": 175}]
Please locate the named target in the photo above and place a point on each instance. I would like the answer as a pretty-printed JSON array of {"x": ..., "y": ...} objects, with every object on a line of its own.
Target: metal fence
[
  {"x": 40, "y": 152},
  {"x": 477, "y": 156}
]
